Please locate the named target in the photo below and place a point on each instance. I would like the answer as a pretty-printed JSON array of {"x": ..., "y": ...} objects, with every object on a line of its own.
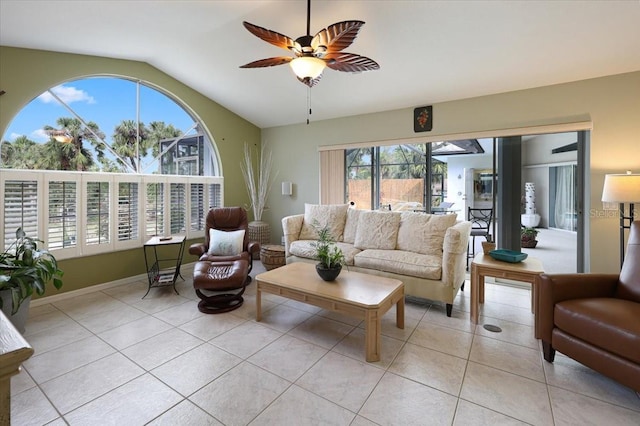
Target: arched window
[
  {"x": 103, "y": 163},
  {"x": 108, "y": 124}
]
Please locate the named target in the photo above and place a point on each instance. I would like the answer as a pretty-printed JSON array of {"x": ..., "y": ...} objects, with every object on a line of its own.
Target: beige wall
[
  {"x": 25, "y": 74},
  {"x": 611, "y": 104}
]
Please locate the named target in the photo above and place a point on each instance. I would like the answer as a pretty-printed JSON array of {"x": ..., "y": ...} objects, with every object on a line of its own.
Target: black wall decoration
[{"x": 423, "y": 119}]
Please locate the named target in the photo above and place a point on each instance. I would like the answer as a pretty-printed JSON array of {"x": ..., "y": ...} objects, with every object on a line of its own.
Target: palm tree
[
  {"x": 359, "y": 162},
  {"x": 158, "y": 131},
  {"x": 74, "y": 155},
  {"x": 131, "y": 140},
  {"x": 22, "y": 153}
]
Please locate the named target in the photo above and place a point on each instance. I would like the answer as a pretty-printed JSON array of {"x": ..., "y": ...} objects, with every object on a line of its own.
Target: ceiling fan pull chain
[{"x": 308, "y": 104}]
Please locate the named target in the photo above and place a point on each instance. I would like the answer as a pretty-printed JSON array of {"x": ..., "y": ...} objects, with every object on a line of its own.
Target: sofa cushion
[
  {"x": 331, "y": 215},
  {"x": 608, "y": 323},
  {"x": 377, "y": 230},
  {"x": 306, "y": 249},
  {"x": 401, "y": 262},
  {"x": 423, "y": 233},
  {"x": 351, "y": 225}
]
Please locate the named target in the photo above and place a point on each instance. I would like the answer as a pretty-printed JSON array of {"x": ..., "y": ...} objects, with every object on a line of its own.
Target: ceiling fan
[{"x": 313, "y": 54}]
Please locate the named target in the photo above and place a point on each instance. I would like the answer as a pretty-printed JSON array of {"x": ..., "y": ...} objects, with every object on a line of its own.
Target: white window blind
[
  {"x": 332, "y": 177},
  {"x": 20, "y": 208},
  {"x": 62, "y": 226},
  {"x": 97, "y": 227},
  {"x": 128, "y": 207}
]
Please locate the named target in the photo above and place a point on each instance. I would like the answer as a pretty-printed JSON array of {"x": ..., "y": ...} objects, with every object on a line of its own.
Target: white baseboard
[{"x": 91, "y": 289}]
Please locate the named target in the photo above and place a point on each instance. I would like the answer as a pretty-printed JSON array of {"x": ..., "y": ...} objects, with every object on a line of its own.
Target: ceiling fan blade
[
  {"x": 275, "y": 38},
  {"x": 309, "y": 81},
  {"x": 338, "y": 36},
  {"x": 269, "y": 62},
  {"x": 350, "y": 62}
]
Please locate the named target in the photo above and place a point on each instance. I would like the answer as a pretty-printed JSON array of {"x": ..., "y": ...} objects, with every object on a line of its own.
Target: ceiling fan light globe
[
  {"x": 63, "y": 138},
  {"x": 307, "y": 67}
]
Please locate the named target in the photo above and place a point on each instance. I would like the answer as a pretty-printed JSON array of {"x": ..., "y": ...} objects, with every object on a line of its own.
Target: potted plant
[
  {"x": 528, "y": 237},
  {"x": 329, "y": 256},
  {"x": 24, "y": 268},
  {"x": 488, "y": 245}
]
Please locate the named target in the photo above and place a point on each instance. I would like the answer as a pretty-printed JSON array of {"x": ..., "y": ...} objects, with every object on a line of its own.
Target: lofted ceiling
[{"x": 428, "y": 51}]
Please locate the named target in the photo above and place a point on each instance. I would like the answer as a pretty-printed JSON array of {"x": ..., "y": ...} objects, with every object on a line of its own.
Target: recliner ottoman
[{"x": 220, "y": 276}]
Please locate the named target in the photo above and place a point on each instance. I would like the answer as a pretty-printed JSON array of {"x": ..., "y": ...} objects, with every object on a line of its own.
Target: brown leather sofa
[{"x": 595, "y": 318}]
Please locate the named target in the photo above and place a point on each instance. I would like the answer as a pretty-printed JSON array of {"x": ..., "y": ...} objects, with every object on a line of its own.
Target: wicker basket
[{"x": 272, "y": 256}]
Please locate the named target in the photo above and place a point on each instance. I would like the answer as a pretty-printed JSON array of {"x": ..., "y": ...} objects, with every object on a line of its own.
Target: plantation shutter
[
  {"x": 198, "y": 210},
  {"x": 97, "y": 226},
  {"x": 154, "y": 209},
  {"x": 20, "y": 209},
  {"x": 62, "y": 226},
  {"x": 215, "y": 195},
  {"x": 127, "y": 222},
  {"x": 178, "y": 208}
]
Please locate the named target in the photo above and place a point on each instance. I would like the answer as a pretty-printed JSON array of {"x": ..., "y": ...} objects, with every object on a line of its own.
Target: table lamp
[{"x": 620, "y": 189}]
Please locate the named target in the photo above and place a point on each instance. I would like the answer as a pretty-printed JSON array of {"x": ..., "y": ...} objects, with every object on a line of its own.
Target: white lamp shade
[
  {"x": 621, "y": 188},
  {"x": 307, "y": 66}
]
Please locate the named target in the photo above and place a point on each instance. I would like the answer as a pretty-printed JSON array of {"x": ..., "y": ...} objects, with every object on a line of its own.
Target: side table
[
  {"x": 485, "y": 266},
  {"x": 272, "y": 256},
  {"x": 163, "y": 271}
]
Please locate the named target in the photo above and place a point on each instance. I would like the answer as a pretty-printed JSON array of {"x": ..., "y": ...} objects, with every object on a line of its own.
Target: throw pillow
[
  {"x": 424, "y": 233},
  {"x": 225, "y": 243},
  {"x": 377, "y": 230},
  {"x": 330, "y": 215},
  {"x": 351, "y": 225}
]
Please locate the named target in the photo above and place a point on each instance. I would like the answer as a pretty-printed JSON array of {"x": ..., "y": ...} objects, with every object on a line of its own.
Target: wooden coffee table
[{"x": 358, "y": 295}]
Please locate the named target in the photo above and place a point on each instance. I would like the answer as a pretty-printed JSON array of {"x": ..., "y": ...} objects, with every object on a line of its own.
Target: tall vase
[
  {"x": 530, "y": 218},
  {"x": 261, "y": 232}
]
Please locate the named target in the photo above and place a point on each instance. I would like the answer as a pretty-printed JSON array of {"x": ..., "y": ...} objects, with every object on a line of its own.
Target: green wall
[{"x": 25, "y": 74}]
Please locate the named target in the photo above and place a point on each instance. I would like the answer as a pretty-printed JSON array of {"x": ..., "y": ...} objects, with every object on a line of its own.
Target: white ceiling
[{"x": 428, "y": 51}]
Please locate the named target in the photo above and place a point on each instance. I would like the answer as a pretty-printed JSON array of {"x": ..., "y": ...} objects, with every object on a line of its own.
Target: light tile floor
[{"x": 110, "y": 357}]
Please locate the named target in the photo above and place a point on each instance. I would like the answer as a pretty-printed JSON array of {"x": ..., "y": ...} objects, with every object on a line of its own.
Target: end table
[
  {"x": 486, "y": 266},
  {"x": 163, "y": 271}
]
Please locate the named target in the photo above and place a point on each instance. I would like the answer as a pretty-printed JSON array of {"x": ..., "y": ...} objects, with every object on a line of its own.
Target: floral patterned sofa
[{"x": 426, "y": 252}]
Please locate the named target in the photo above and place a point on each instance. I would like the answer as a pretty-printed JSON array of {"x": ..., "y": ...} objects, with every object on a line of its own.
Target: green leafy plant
[
  {"x": 24, "y": 268},
  {"x": 528, "y": 234},
  {"x": 327, "y": 253}
]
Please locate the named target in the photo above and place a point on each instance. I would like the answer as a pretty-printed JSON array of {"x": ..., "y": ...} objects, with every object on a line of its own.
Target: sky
[{"x": 106, "y": 101}]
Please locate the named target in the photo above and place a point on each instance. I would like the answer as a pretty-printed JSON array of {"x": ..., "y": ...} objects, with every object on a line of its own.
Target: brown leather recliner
[
  {"x": 595, "y": 318},
  {"x": 226, "y": 219}
]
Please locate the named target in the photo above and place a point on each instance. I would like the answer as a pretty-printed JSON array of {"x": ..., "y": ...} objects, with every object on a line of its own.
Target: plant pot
[
  {"x": 328, "y": 274},
  {"x": 528, "y": 243},
  {"x": 19, "y": 320},
  {"x": 487, "y": 247}
]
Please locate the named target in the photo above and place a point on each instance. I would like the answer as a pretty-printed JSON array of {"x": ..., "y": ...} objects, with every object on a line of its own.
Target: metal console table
[{"x": 163, "y": 271}]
